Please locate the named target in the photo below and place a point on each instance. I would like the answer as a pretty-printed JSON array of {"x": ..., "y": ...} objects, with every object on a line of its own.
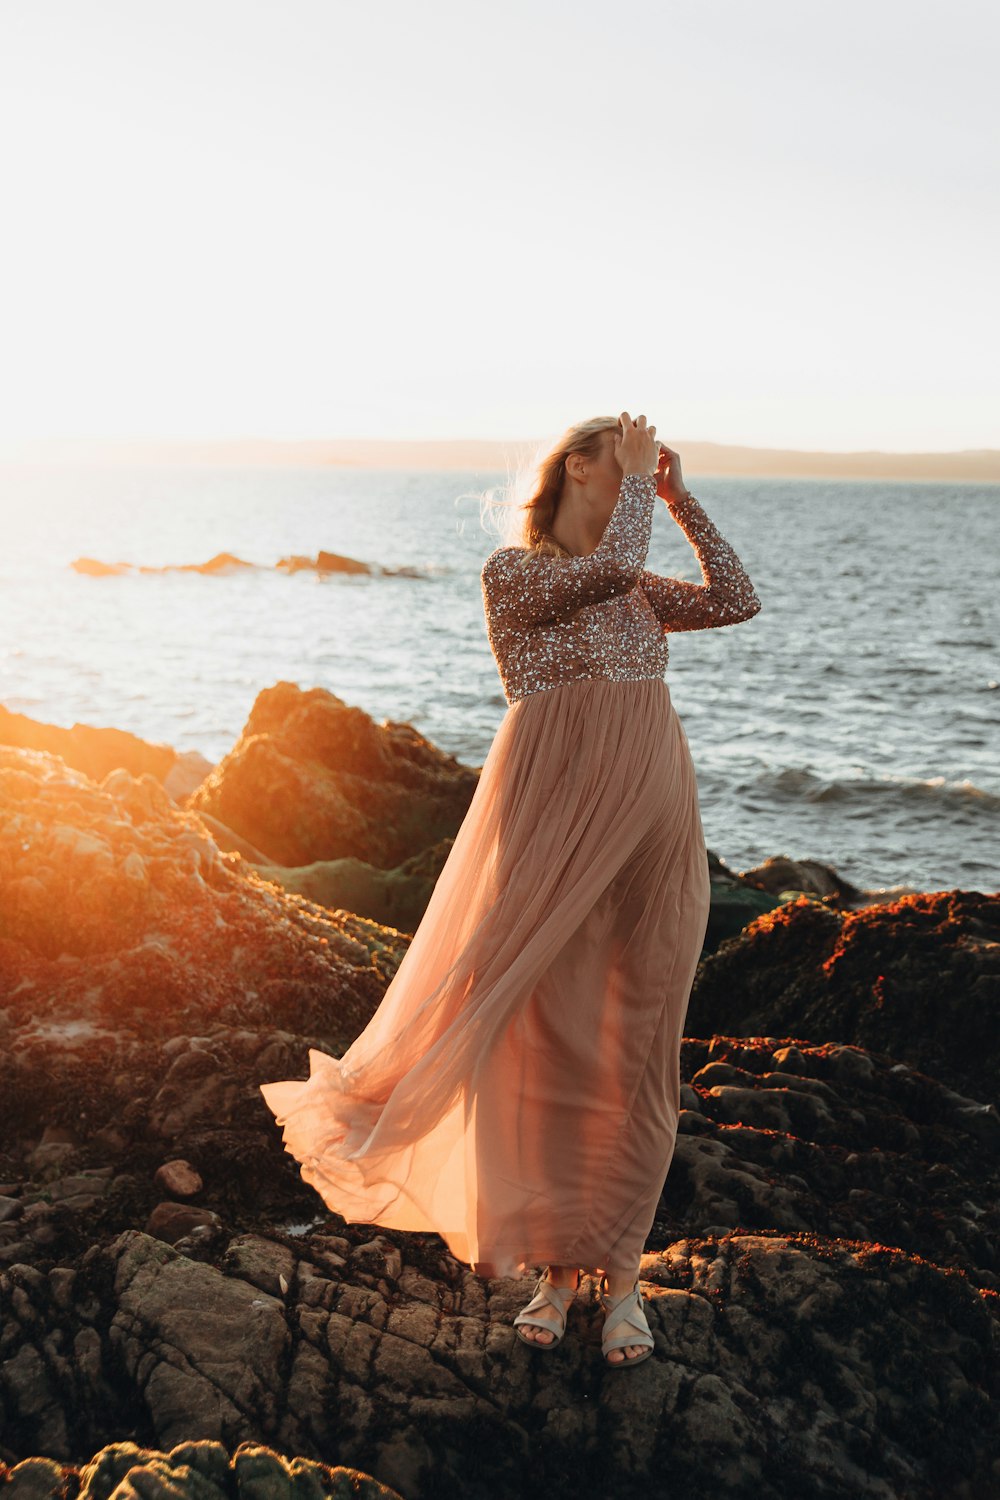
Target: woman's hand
[
  {"x": 635, "y": 446},
  {"x": 670, "y": 484}
]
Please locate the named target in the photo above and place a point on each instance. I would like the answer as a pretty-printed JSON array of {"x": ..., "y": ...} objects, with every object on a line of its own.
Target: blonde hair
[{"x": 522, "y": 512}]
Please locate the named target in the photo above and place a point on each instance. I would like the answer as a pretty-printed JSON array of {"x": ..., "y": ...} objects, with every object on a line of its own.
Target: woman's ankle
[
  {"x": 619, "y": 1282},
  {"x": 564, "y": 1276}
]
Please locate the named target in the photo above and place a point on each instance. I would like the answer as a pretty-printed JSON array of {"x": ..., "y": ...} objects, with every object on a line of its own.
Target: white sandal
[
  {"x": 632, "y": 1317},
  {"x": 547, "y": 1295}
]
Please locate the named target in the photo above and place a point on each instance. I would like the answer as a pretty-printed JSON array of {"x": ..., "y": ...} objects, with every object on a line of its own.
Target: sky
[{"x": 770, "y": 223}]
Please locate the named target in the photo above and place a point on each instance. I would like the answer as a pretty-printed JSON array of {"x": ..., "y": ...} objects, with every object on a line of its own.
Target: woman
[{"x": 517, "y": 1091}]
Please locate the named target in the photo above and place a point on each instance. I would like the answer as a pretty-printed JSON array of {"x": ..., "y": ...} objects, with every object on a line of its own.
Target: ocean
[{"x": 854, "y": 720}]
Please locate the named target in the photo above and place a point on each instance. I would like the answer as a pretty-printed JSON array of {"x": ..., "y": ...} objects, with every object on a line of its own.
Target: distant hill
[{"x": 489, "y": 457}]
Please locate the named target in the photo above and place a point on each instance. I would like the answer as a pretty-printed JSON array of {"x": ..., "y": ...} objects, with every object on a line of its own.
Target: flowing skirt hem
[{"x": 521, "y": 1073}]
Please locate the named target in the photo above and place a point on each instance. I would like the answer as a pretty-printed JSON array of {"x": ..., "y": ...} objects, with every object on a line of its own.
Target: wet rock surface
[{"x": 181, "y": 1315}]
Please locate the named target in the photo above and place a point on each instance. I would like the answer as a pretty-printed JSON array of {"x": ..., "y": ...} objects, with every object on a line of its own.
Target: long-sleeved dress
[{"x": 518, "y": 1089}]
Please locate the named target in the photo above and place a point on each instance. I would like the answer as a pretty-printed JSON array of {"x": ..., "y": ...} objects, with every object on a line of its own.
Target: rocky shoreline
[{"x": 180, "y": 1315}]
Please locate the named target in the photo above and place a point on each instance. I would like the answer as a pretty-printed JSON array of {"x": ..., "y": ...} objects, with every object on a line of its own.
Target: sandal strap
[
  {"x": 633, "y": 1317},
  {"x": 546, "y": 1295}
]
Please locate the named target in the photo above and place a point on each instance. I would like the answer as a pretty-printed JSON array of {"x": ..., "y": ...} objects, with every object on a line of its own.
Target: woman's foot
[
  {"x": 618, "y": 1284},
  {"x": 559, "y": 1276}
]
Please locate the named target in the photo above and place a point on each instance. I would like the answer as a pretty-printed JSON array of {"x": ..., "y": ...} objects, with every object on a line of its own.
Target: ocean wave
[
  {"x": 794, "y": 784},
  {"x": 987, "y": 644}
]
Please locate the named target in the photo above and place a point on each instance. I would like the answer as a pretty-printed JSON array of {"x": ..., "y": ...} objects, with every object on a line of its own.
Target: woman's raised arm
[
  {"x": 527, "y": 588},
  {"x": 726, "y": 596}
]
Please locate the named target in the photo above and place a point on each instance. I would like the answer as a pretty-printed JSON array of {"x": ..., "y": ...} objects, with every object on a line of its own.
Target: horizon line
[{"x": 497, "y": 455}]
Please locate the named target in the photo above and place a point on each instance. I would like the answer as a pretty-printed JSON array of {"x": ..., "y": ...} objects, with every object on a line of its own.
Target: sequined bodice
[{"x": 552, "y": 620}]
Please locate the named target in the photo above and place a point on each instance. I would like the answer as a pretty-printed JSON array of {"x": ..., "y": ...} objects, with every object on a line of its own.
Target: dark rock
[
  {"x": 172, "y": 1221},
  {"x": 779, "y": 1136},
  {"x": 178, "y": 1178},
  {"x": 732, "y": 908},
  {"x": 918, "y": 978},
  {"x": 779, "y": 874},
  {"x": 784, "y": 1364}
]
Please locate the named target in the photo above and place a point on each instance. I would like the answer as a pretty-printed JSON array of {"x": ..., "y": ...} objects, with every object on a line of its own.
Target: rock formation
[{"x": 181, "y": 1316}]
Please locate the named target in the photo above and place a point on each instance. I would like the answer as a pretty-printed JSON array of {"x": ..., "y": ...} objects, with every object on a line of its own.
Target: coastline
[{"x": 494, "y": 456}]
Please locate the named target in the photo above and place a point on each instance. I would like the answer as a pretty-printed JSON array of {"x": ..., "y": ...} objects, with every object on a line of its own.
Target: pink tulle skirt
[{"x": 517, "y": 1091}]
